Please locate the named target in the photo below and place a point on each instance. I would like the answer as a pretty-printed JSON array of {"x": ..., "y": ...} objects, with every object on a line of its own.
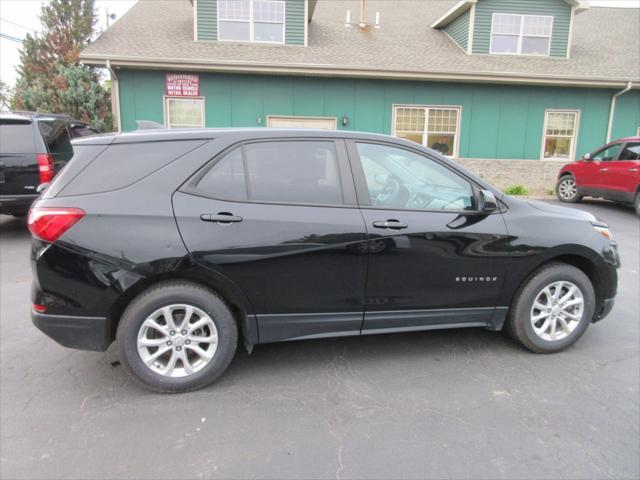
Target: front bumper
[
  {"x": 607, "y": 306},
  {"x": 84, "y": 333},
  {"x": 16, "y": 204}
]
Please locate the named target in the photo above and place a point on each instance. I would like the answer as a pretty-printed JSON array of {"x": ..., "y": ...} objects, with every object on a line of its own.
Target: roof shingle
[{"x": 161, "y": 31}]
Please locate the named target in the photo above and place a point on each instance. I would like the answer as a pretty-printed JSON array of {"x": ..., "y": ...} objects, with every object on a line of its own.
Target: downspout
[
  {"x": 612, "y": 109},
  {"x": 115, "y": 97}
]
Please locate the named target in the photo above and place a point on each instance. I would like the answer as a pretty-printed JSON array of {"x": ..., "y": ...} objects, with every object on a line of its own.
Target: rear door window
[
  {"x": 294, "y": 172},
  {"x": 16, "y": 137}
]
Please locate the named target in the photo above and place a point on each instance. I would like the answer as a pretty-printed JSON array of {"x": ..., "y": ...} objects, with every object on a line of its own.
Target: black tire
[
  {"x": 519, "y": 320},
  {"x": 159, "y": 296},
  {"x": 562, "y": 195},
  {"x": 636, "y": 203}
]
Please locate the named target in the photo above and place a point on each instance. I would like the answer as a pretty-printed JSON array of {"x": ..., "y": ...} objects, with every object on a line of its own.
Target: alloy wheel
[
  {"x": 567, "y": 189},
  {"x": 177, "y": 340},
  {"x": 557, "y": 310}
]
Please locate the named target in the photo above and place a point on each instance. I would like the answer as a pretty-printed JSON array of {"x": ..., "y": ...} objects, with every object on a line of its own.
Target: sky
[{"x": 19, "y": 17}]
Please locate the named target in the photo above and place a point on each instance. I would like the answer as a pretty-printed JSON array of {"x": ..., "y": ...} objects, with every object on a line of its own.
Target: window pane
[
  {"x": 537, "y": 25},
  {"x": 608, "y": 154},
  {"x": 557, "y": 147},
  {"x": 441, "y": 143},
  {"x": 268, "y": 11},
  {"x": 56, "y": 136},
  {"x": 294, "y": 172},
  {"x": 410, "y": 119},
  {"x": 561, "y": 123},
  {"x": 226, "y": 179},
  {"x": 631, "y": 152},
  {"x": 268, "y": 32},
  {"x": 184, "y": 112},
  {"x": 443, "y": 120},
  {"x": 506, "y": 24},
  {"x": 234, "y": 31},
  {"x": 504, "y": 44},
  {"x": 234, "y": 10},
  {"x": 413, "y": 137},
  {"x": 405, "y": 180},
  {"x": 535, "y": 46}
]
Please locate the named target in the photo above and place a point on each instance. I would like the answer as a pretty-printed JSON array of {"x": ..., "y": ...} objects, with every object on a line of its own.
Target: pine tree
[{"x": 50, "y": 76}]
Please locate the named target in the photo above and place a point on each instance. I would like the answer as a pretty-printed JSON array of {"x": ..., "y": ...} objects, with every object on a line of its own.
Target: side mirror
[
  {"x": 586, "y": 156},
  {"x": 488, "y": 202}
]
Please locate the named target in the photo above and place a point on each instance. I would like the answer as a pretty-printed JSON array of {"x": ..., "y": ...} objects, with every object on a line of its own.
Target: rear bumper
[
  {"x": 16, "y": 204},
  {"x": 84, "y": 333}
]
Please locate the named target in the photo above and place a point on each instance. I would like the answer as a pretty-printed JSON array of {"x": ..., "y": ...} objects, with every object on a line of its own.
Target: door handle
[
  {"x": 604, "y": 169},
  {"x": 633, "y": 169},
  {"x": 222, "y": 217},
  {"x": 391, "y": 224}
]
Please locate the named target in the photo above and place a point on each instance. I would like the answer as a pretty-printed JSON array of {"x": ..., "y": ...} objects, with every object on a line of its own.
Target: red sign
[{"x": 183, "y": 85}]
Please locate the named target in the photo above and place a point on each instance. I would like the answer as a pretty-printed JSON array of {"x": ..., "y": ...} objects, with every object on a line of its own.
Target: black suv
[
  {"x": 177, "y": 243},
  {"x": 33, "y": 147}
]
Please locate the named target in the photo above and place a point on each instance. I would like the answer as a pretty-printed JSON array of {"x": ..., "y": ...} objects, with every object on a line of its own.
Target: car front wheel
[
  {"x": 553, "y": 309},
  {"x": 567, "y": 190},
  {"x": 637, "y": 204},
  {"x": 176, "y": 337}
]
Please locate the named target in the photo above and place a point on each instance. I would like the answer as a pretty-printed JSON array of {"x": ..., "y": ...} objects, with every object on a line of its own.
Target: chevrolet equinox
[{"x": 181, "y": 244}]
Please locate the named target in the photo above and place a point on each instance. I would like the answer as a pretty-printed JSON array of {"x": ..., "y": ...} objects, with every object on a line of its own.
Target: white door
[{"x": 324, "y": 123}]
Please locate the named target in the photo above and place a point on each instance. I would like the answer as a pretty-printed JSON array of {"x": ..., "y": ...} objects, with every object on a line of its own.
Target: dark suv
[
  {"x": 177, "y": 243},
  {"x": 33, "y": 148}
]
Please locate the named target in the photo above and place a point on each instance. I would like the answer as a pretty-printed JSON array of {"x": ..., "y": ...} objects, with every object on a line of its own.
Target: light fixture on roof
[{"x": 362, "y": 23}]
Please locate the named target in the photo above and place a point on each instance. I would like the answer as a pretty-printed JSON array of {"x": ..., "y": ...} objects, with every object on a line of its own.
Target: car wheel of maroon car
[{"x": 567, "y": 190}]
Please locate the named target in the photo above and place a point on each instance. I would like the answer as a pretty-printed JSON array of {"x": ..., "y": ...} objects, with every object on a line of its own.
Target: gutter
[
  {"x": 612, "y": 109},
  {"x": 323, "y": 70},
  {"x": 115, "y": 96}
]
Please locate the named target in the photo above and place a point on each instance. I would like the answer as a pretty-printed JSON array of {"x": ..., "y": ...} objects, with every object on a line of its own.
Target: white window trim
[
  {"x": 520, "y": 35},
  {"x": 301, "y": 117},
  {"x": 574, "y": 140},
  {"x": 425, "y": 133},
  {"x": 165, "y": 108},
  {"x": 251, "y": 25}
]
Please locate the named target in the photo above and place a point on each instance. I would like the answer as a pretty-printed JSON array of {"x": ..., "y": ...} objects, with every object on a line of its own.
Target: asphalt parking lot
[{"x": 455, "y": 404}]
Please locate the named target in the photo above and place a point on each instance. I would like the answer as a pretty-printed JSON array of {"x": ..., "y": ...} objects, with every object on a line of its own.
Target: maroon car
[{"x": 611, "y": 172}]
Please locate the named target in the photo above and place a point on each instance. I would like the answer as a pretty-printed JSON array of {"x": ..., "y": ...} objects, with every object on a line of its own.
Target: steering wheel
[{"x": 389, "y": 193}]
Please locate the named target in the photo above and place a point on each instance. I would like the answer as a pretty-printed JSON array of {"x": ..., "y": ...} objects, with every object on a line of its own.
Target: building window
[
  {"x": 434, "y": 127},
  {"x": 521, "y": 34},
  {"x": 184, "y": 112},
  {"x": 560, "y": 129},
  {"x": 251, "y": 20}
]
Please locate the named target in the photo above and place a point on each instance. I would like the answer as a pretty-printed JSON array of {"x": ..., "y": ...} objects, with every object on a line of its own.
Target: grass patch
[{"x": 516, "y": 190}]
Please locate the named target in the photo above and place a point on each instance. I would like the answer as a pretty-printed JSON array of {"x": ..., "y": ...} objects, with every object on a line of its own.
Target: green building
[{"x": 491, "y": 80}]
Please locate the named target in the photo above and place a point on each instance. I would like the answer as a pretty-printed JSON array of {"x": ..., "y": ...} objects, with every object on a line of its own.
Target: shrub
[{"x": 516, "y": 190}]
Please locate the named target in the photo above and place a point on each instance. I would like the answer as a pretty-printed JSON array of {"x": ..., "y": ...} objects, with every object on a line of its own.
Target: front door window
[
  {"x": 401, "y": 179},
  {"x": 607, "y": 154}
]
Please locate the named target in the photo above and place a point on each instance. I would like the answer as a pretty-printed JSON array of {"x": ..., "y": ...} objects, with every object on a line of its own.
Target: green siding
[
  {"x": 294, "y": 21},
  {"x": 559, "y": 9},
  {"x": 626, "y": 120},
  {"x": 458, "y": 30},
  {"x": 207, "y": 19},
  {"x": 498, "y": 121}
]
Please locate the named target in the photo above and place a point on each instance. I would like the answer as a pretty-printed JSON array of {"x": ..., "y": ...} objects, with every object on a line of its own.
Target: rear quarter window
[
  {"x": 122, "y": 165},
  {"x": 56, "y": 138},
  {"x": 17, "y": 137}
]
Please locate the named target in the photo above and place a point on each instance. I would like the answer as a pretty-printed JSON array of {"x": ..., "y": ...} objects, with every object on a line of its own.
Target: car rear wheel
[
  {"x": 567, "y": 190},
  {"x": 177, "y": 337},
  {"x": 637, "y": 204},
  {"x": 553, "y": 309}
]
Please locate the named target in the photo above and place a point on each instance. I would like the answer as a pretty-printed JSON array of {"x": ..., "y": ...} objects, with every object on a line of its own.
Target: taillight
[
  {"x": 50, "y": 223},
  {"x": 39, "y": 308},
  {"x": 45, "y": 167}
]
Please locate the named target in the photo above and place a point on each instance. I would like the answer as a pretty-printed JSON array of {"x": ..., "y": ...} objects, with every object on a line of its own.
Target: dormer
[
  {"x": 275, "y": 22},
  {"x": 541, "y": 28}
]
